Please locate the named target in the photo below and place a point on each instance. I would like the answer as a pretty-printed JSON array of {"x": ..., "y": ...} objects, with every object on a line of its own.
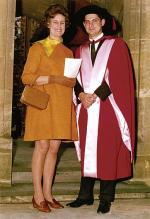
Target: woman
[{"x": 44, "y": 69}]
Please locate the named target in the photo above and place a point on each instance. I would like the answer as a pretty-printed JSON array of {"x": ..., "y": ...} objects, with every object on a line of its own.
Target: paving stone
[{"x": 121, "y": 209}]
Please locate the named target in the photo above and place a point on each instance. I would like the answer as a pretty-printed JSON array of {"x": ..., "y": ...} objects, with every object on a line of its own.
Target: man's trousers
[{"x": 107, "y": 189}]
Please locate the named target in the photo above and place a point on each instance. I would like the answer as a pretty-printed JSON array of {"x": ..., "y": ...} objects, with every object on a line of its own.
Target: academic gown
[{"x": 107, "y": 154}]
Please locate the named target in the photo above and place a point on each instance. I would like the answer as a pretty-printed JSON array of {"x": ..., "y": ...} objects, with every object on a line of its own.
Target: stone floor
[{"x": 121, "y": 209}]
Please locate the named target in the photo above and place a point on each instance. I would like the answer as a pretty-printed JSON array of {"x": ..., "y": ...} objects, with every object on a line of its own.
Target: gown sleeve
[
  {"x": 122, "y": 83},
  {"x": 78, "y": 88}
]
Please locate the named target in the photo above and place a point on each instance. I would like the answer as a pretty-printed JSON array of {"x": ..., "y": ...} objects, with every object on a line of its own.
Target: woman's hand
[
  {"x": 62, "y": 80},
  {"x": 41, "y": 80}
]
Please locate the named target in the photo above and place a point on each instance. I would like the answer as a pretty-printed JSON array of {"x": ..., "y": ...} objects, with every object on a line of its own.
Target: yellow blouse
[{"x": 49, "y": 44}]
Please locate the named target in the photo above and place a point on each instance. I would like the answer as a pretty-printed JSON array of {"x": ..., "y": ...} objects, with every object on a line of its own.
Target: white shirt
[{"x": 97, "y": 38}]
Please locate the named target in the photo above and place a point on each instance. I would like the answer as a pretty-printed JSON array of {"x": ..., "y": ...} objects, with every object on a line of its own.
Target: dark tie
[{"x": 93, "y": 52}]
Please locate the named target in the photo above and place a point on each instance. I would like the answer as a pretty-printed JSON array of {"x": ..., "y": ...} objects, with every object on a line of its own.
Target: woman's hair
[
  {"x": 43, "y": 31},
  {"x": 57, "y": 9}
]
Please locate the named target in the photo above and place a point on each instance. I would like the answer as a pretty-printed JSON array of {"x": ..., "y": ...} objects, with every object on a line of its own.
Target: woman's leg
[
  {"x": 49, "y": 168},
  {"x": 38, "y": 159}
]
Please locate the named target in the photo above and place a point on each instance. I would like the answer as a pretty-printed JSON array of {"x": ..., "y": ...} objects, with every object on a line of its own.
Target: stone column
[
  {"x": 7, "y": 21},
  {"x": 136, "y": 33}
]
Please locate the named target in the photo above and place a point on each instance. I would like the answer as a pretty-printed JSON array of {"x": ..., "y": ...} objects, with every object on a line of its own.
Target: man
[{"x": 105, "y": 115}]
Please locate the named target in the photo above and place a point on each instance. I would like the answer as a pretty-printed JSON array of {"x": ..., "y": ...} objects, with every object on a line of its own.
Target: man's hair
[{"x": 111, "y": 26}]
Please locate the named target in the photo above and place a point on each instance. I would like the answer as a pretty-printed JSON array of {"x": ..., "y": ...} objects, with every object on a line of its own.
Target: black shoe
[
  {"x": 79, "y": 202},
  {"x": 104, "y": 207}
]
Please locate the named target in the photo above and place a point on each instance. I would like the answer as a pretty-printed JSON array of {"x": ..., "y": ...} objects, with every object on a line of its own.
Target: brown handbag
[{"x": 31, "y": 96}]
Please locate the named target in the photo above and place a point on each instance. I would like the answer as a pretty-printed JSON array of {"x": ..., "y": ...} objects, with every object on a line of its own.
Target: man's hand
[{"x": 87, "y": 99}]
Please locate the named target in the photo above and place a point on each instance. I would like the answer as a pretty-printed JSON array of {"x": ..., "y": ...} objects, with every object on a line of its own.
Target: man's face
[{"x": 93, "y": 25}]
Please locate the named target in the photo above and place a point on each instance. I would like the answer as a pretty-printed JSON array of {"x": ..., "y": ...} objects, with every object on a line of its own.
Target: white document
[{"x": 72, "y": 66}]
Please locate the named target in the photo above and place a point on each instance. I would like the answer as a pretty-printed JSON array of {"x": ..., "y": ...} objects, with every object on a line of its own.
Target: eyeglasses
[{"x": 95, "y": 21}]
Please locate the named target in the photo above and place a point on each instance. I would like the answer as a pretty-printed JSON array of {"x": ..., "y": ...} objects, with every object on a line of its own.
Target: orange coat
[{"x": 58, "y": 120}]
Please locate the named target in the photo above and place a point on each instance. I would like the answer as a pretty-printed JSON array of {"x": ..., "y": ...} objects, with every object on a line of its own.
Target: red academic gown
[{"x": 112, "y": 158}]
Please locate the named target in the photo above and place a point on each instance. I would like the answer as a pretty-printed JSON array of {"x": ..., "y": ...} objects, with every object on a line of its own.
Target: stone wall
[
  {"x": 136, "y": 33},
  {"x": 7, "y": 18}
]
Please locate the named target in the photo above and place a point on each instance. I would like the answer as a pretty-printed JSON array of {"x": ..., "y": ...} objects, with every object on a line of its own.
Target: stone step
[
  {"x": 22, "y": 193},
  {"x": 67, "y": 179},
  {"x": 63, "y": 165},
  {"x": 68, "y": 167},
  {"x": 61, "y": 176},
  {"x": 22, "y": 155},
  {"x": 66, "y": 170}
]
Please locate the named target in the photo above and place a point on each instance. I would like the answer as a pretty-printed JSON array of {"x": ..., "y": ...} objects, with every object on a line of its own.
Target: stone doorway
[{"x": 135, "y": 32}]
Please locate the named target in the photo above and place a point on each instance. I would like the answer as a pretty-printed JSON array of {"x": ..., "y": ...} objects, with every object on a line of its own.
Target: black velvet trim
[
  {"x": 78, "y": 89},
  {"x": 103, "y": 91}
]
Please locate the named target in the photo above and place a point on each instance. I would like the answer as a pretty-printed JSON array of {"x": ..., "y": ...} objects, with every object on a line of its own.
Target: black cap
[
  {"x": 111, "y": 24},
  {"x": 90, "y": 9}
]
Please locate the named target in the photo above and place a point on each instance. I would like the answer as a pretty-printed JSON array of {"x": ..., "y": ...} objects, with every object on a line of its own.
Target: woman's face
[{"x": 57, "y": 26}]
